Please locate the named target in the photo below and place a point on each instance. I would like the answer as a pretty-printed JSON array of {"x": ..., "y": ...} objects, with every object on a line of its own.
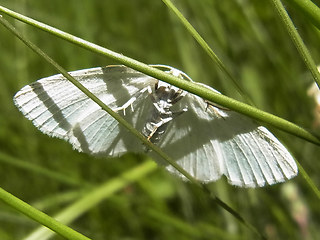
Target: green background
[{"x": 249, "y": 38}]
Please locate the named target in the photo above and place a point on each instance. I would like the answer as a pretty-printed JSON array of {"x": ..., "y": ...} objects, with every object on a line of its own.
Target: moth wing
[
  {"x": 208, "y": 142},
  {"x": 189, "y": 140},
  {"x": 59, "y": 109}
]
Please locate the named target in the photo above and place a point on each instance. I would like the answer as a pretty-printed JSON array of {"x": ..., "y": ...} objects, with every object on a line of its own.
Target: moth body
[{"x": 163, "y": 98}]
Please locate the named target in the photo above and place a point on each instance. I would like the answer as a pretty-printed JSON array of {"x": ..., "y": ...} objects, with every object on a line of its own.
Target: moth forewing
[{"x": 60, "y": 109}]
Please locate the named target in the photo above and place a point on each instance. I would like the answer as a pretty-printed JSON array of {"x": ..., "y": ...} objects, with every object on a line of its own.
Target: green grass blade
[
  {"x": 297, "y": 40},
  {"x": 309, "y": 10},
  {"x": 40, "y": 217},
  {"x": 95, "y": 197},
  {"x": 193, "y": 32}
]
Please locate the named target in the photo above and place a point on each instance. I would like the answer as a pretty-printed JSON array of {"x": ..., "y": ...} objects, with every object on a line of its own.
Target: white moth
[{"x": 205, "y": 140}]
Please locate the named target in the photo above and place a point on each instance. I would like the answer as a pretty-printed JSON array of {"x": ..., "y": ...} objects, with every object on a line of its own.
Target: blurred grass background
[{"x": 247, "y": 36}]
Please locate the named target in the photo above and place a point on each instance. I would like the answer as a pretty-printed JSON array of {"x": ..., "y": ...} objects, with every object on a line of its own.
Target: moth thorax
[{"x": 163, "y": 98}]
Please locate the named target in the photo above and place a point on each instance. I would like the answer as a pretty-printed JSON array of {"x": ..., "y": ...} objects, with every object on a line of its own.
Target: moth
[{"x": 205, "y": 140}]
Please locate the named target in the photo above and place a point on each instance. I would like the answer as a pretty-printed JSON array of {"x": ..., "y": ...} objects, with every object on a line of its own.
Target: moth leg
[
  {"x": 215, "y": 105},
  {"x": 131, "y": 101},
  {"x": 157, "y": 125},
  {"x": 126, "y": 105},
  {"x": 217, "y": 109},
  {"x": 159, "y": 109},
  {"x": 149, "y": 88},
  {"x": 163, "y": 121}
]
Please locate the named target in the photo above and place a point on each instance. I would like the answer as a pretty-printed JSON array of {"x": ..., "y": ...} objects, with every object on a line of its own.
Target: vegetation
[{"x": 129, "y": 197}]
